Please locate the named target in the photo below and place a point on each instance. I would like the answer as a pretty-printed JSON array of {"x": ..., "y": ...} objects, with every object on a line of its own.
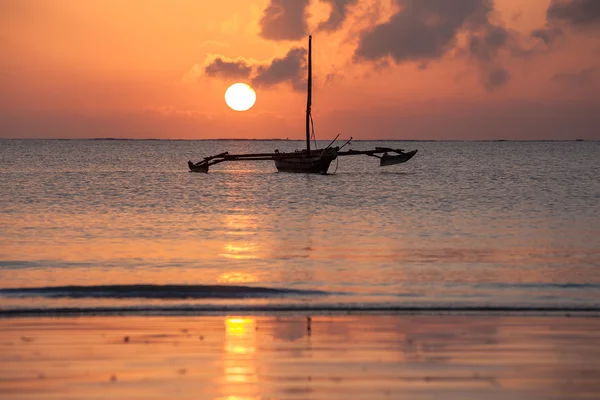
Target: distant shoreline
[{"x": 302, "y": 140}]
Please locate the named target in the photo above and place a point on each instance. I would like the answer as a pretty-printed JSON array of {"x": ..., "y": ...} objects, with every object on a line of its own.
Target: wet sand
[{"x": 279, "y": 357}]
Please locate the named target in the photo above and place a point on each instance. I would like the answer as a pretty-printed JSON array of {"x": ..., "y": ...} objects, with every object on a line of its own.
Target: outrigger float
[{"x": 307, "y": 160}]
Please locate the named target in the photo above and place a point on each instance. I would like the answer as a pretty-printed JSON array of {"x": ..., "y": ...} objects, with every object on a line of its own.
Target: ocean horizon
[{"x": 303, "y": 140}]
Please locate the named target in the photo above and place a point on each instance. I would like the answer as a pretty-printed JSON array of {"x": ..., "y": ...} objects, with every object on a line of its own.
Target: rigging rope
[{"x": 312, "y": 124}]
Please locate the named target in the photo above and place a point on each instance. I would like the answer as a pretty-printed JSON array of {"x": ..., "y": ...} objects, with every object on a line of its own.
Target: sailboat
[{"x": 315, "y": 161}]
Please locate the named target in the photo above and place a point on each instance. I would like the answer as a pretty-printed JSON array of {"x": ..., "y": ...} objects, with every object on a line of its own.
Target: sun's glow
[{"x": 240, "y": 97}]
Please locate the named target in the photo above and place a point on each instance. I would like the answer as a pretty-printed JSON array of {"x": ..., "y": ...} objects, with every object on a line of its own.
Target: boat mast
[{"x": 309, "y": 98}]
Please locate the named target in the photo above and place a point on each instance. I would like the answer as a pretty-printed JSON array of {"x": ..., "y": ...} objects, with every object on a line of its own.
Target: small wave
[
  {"x": 156, "y": 292},
  {"x": 542, "y": 285},
  {"x": 301, "y": 309},
  {"x": 40, "y": 264},
  {"x": 17, "y": 264}
]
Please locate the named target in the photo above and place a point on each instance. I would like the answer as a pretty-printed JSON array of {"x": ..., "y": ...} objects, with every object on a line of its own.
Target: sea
[{"x": 122, "y": 227}]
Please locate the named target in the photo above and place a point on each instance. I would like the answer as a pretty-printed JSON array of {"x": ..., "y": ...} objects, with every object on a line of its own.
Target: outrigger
[
  {"x": 307, "y": 161},
  {"x": 314, "y": 164}
]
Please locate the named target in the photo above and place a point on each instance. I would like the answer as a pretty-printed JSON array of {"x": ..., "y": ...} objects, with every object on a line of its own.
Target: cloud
[
  {"x": 339, "y": 12},
  {"x": 287, "y": 69},
  {"x": 228, "y": 68},
  {"x": 548, "y": 34},
  {"x": 577, "y": 13},
  {"x": 562, "y": 14},
  {"x": 288, "y": 19},
  {"x": 423, "y": 32},
  {"x": 422, "y": 29},
  {"x": 290, "y": 69},
  {"x": 284, "y": 20},
  {"x": 485, "y": 46},
  {"x": 496, "y": 77},
  {"x": 578, "y": 78}
]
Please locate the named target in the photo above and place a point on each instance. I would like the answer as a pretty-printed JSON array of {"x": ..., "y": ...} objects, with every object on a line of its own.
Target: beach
[{"x": 288, "y": 356}]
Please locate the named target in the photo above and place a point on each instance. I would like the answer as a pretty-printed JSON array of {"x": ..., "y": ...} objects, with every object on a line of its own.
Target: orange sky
[{"x": 138, "y": 69}]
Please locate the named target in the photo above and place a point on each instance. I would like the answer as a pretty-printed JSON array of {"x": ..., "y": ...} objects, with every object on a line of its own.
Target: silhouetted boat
[
  {"x": 308, "y": 161},
  {"x": 315, "y": 161}
]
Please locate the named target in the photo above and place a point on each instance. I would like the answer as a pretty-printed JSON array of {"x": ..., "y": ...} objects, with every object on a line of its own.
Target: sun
[{"x": 240, "y": 97}]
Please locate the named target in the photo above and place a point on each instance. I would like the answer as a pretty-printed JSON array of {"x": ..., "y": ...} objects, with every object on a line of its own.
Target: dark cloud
[
  {"x": 290, "y": 68},
  {"x": 287, "y": 19},
  {"x": 284, "y": 20},
  {"x": 484, "y": 48},
  {"x": 581, "y": 13},
  {"x": 563, "y": 14},
  {"x": 422, "y": 29},
  {"x": 578, "y": 78},
  {"x": 425, "y": 30},
  {"x": 228, "y": 69},
  {"x": 488, "y": 43},
  {"x": 339, "y": 12},
  {"x": 548, "y": 34},
  {"x": 516, "y": 16},
  {"x": 495, "y": 77}
]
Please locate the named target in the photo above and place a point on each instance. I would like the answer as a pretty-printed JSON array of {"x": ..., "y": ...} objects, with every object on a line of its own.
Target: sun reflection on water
[
  {"x": 236, "y": 277},
  {"x": 238, "y": 229},
  {"x": 239, "y": 363},
  {"x": 240, "y": 251}
]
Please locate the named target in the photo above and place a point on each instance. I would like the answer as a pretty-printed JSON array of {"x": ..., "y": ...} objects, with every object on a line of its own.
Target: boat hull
[
  {"x": 200, "y": 167},
  {"x": 387, "y": 159},
  {"x": 303, "y": 164}
]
